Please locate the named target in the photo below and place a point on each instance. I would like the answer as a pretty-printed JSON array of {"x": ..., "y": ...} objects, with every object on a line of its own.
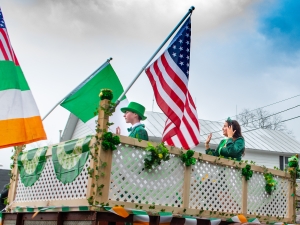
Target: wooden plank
[
  {"x": 244, "y": 195},
  {"x": 9, "y": 216},
  {"x": 19, "y": 219},
  {"x": 15, "y": 177},
  {"x": 60, "y": 220},
  {"x": 72, "y": 203},
  {"x": 205, "y": 157},
  {"x": 104, "y": 157},
  {"x": 79, "y": 216},
  {"x": 292, "y": 200},
  {"x": 93, "y": 164},
  {"x": 154, "y": 220},
  {"x": 186, "y": 187},
  {"x": 40, "y": 216}
]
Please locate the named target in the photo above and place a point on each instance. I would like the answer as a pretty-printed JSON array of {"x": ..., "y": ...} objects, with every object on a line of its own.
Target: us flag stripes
[{"x": 169, "y": 76}]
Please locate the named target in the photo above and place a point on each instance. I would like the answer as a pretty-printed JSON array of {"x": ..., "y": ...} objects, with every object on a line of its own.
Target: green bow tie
[{"x": 129, "y": 129}]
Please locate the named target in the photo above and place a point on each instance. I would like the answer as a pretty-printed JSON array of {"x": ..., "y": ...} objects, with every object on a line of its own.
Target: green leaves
[
  {"x": 106, "y": 94},
  {"x": 109, "y": 142},
  {"x": 156, "y": 155},
  {"x": 270, "y": 183},
  {"x": 187, "y": 158},
  {"x": 247, "y": 172}
]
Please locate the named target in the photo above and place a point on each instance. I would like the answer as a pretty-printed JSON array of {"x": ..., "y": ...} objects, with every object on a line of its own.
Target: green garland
[
  {"x": 187, "y": 158},
  {"x": 156, "y": 155},
  {"x": 109, "y": 142},
  {"x": 247, "y": 172},
  {"x": 106, "y": 94},
  {"x": 270, "y": 183}
]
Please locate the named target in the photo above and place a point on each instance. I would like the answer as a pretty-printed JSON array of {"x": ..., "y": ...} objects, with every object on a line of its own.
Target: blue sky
[{"x": 244, "y": 54}]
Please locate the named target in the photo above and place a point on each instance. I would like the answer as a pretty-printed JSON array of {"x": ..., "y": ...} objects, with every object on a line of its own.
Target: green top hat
[{"x": 135, "y": 108}]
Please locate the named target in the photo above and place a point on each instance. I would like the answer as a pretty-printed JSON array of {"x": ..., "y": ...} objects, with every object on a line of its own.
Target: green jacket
[
  {"x": 231, "y": 149},
  {"x": 139, "y": 132}
]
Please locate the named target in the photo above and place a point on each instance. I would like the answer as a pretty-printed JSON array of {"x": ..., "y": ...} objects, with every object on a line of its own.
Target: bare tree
[
  {"x": 260, "y": 118},
  {"x": 246, "y": 117}
]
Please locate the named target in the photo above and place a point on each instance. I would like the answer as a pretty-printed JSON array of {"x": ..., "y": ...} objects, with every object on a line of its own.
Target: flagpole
[
  {"x": 160, "y": 47},
  {"x": 75, "y": 89}
]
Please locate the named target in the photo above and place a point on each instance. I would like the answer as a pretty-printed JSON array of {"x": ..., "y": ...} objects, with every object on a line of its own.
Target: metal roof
[
  {"x": 260, "y": 139},
  {"x": 256, "y": 139}
]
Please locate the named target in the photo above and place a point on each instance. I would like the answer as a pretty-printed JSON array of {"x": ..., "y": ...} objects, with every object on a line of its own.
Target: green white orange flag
[
  {"x": 84, "y": 100},
  {"x": 20, "y": 121}
]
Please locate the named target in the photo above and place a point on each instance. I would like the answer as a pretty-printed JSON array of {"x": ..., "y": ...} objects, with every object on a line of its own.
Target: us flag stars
[{"x": 179, "y": 49}]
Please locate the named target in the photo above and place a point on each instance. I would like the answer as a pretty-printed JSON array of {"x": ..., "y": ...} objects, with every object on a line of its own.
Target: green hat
[{"x": 135, "y": 108}]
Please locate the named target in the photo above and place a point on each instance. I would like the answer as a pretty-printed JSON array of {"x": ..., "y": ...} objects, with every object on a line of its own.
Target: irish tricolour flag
[
  {"x": 20, "y": 121},
  {"x": 84, "y": 100}
]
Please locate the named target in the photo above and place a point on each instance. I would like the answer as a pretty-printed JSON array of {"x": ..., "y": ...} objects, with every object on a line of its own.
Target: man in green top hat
[{"x": 133, "y": 114}]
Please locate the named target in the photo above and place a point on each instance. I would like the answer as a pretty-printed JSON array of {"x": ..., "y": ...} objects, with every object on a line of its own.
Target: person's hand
[
  {"x": 230, "y": 132},
  {"x": 118, "y": 130},
  {"x": 208, "y": 139}
]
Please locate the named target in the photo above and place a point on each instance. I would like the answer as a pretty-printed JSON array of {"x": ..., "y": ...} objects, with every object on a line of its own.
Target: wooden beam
[
  {"x": 14, "y": 176},
  {"x": 244, "y": 195},
  {"x": 105, "y": 156},
  {"x": 187, "y": 186}
]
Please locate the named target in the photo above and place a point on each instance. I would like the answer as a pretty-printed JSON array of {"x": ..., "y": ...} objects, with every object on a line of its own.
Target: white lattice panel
[
  {"x": 261, "y": 203},
  {"x": 50, "y": 188},
  {"x": 130, "y": 182},
  {"x": 215, "y": 188}
]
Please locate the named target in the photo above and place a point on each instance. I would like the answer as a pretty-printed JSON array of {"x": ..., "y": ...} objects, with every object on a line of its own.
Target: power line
[
  {"x": 259, "y": 119},
  {"x": 265, "y": 106},
  {"x": 261, "y": 128}
]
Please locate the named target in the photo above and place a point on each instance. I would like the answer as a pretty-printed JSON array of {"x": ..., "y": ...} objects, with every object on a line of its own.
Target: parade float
[{"x": 110, "y": 178}]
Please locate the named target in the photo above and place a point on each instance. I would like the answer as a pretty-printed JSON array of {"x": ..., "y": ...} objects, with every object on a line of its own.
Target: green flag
[{"x": 85, "y": 100}]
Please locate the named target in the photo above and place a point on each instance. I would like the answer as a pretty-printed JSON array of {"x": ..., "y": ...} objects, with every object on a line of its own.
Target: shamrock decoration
[
  {"x": 293, "y": 161},
  {"x": 294, "y": 166},
  {"x": 156, "y": 155},
  {"x": 247, "y": 172},
  {"x": 109, "y": 141},
  {"x": 106, "y": 94},
  {"x": 270, "y": 183},
  {"x": 187, "y": 158}
]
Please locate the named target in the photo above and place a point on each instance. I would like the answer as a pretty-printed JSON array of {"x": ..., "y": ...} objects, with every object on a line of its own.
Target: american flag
[
  {"x": 6, "y": 50},
  {"x": 169, "y": 76}
]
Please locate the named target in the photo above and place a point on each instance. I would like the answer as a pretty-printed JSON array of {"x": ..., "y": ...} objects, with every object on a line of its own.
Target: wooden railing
[{"x": 214, "y": 187}]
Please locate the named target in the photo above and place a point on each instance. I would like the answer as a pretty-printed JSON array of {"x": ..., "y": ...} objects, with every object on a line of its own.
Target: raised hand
[
  {"x": 118, "y": 130},
  {"x": 230, "y": 132},
  {"x": 208, "y": 139}
]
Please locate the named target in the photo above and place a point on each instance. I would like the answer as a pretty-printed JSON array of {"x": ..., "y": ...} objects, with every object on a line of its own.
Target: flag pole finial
[
  {"x": 109, "y": 59},
  {"x": 192, "y": 9}
]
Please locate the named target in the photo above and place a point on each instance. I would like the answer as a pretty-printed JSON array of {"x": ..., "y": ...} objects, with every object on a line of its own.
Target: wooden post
[
  {"x": 244, "y": 195},
  {"x": 186, "y": 187},
  {"x": 103, "y": 166},
  {"x": 14, "y": 176},
  {"x": 292, "y": 199}
]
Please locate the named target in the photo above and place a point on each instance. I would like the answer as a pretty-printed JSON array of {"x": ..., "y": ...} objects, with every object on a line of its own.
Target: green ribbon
[
  {"x": 31, "y": 165},
  {"x": 69, "y": 158},
  {"x": 222, "y": 144}
]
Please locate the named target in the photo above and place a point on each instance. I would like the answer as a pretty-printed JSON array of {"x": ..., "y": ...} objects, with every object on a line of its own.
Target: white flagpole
[{"x": 75, "y": 89}]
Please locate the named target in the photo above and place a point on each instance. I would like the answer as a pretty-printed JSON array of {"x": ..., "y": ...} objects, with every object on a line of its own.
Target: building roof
[
  {"x": 260, "y": 139},
  {"x": 256, "y": 139}
]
